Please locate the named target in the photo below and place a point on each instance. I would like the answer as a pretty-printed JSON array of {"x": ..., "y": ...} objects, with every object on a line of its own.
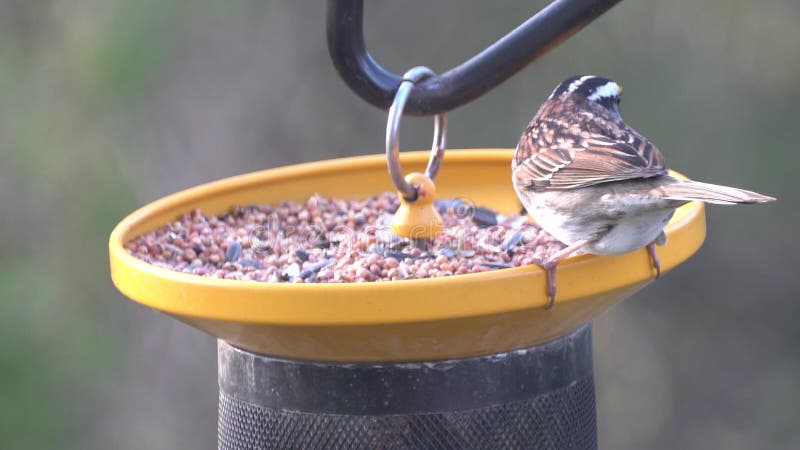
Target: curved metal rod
[
  {"x": 410, "y": 78},
  {"x": 539, "y": 34}
]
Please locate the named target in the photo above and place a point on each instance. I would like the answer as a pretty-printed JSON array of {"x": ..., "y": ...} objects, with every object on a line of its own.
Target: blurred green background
[{"x": 109, "y": 104}]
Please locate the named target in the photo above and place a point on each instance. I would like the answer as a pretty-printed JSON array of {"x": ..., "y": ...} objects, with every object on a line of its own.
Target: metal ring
[{"x": 411, "y": 77}]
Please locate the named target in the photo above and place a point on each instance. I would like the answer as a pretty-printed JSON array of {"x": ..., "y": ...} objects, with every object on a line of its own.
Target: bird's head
[{"x": 599, "y": 90}]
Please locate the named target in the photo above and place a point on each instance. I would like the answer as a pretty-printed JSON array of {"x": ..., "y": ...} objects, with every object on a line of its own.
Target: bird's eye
[{"x": 619, "y": 100}]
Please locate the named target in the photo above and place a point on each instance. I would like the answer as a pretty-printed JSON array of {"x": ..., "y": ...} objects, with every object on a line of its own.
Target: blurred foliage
[{"x": 107, "y": 105}]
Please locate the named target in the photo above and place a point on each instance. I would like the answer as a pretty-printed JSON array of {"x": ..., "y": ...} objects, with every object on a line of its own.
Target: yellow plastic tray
[{"x": 409, "y": 320}]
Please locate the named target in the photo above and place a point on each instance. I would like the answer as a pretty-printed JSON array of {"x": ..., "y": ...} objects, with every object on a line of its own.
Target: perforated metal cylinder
[{"x": 541, "y": 397}]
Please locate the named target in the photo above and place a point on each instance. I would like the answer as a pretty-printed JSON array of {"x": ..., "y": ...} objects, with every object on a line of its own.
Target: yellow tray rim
[{"x": 378, "y": 302}]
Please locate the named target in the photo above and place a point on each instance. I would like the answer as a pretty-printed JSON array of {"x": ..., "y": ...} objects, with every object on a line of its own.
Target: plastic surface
[
  {"x": 418, "y": 219},
  {"x": 409, "y": 320}
]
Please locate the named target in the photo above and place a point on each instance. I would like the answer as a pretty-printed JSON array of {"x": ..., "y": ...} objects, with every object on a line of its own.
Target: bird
[{"x": 597, "y": 185}]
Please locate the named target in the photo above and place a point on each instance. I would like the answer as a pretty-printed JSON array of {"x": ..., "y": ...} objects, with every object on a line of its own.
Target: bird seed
[{"x": 329, "y": 240}]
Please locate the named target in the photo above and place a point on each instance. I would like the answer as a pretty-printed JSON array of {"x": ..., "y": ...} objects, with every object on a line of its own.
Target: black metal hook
[{"x": 462, "y": 84}]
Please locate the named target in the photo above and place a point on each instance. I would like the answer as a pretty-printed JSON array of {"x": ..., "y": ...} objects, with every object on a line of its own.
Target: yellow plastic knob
[{"x": 418, "y": 219}]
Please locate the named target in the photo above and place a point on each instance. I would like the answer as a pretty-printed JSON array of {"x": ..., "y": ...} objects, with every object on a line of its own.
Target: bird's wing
[{"x": 560, "y": 162}]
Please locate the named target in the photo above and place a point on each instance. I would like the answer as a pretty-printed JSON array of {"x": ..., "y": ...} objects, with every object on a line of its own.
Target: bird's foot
[
  {"x": 549, "y": 266},
  {"x": 656, "y": 263},
  {"x": 551, "y": 287}
]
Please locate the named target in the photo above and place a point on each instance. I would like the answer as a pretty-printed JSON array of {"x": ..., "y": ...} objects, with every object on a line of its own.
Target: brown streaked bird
[{"x": 596, "y": 184}]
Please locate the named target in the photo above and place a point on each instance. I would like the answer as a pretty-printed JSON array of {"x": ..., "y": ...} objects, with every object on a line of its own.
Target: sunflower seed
[
  {"x": 447, "y": 252},
  {"x": 496, "y": 265},
  {"x": 388, "y": 253},
  {"x": 301, "y": 254},
  {"x": 251, "y": 263},
  {"x": 313, "y": 269},
  {"x": 484, "y": 217},
  {"x": 511, "y": 241},
  {"x": 233, "y": 252},
  {"x": 467, "y": 252}
]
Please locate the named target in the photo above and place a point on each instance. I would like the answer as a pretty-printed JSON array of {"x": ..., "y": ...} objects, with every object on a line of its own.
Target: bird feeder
[
  {"x": 465, "y": 361},
  {"x": 303, "y": 353}
]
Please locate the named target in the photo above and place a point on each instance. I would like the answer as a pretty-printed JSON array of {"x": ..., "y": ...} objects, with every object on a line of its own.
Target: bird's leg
[
  {"x": 651, "y": 250},
  {"x": 550, "y": 263}
]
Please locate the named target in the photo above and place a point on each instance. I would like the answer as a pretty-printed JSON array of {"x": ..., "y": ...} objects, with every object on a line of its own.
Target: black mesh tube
[{"x": 541, "y": 397}]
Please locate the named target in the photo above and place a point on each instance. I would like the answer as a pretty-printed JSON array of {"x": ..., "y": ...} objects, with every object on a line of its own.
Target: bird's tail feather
[{"x": 689, "y": 190}]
